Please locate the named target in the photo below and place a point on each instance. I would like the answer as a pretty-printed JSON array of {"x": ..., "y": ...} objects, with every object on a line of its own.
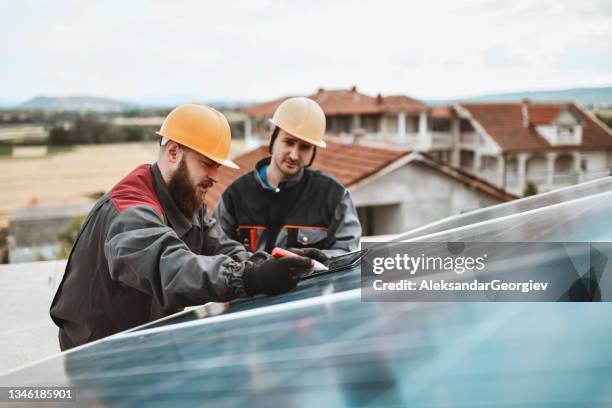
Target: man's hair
[{"x": 273, "y": 137}]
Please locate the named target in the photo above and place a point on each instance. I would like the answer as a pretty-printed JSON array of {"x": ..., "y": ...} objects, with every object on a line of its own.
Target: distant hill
[
  {"x": 8, "y": 103},
  {"x": 597, "y": 97},
  {"x": 585, "y": 96},
  {"x": 172, "y": 101},
  {"x": 76, "y": 103},
  {"x": 163, "y": 101},
  {"x": 97, "y": 104}
]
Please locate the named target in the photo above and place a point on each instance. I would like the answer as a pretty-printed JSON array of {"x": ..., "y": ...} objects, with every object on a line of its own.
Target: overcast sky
[{"x": 259, "y": 49}]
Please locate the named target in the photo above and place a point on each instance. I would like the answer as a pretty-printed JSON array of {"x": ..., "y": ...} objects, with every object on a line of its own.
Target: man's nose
[
  {"x": 294, "y": 153},
  {"x": 213, "y": 174}
]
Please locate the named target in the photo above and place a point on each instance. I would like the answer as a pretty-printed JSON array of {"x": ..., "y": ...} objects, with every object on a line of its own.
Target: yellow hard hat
[
  {"x": 303, "y": 118},
  {"x": 202, "y": 129}
]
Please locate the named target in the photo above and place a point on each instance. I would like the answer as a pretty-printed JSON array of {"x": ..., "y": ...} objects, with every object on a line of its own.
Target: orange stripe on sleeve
[{"x": 306, "y": 227}]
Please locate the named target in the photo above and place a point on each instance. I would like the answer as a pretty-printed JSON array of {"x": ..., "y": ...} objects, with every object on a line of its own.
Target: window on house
[
  {"x": 466, "y": 158},
  {"x": 583, "y": 164},
  {"x": 380, "y": 219},
  {"x": 466, "y": 126},
  {"x": 339, "y": 124},
  {"x": 370, "y": 123},
  {"x": 260, "y": 126},
  {"x": 440, "y": 155},
  {"x": 565, "y": 135},
  {"x": 441, "y": 125},
  {"x": 488, "y": 164},
  {"x": 412, "y": 124},
  {"x": 391, "y": 121}
]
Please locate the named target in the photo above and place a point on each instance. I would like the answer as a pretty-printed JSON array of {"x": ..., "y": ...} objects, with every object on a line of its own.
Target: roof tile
[
  {"x": 347, "y": 102},
  {"x": 504, "y": 123}
]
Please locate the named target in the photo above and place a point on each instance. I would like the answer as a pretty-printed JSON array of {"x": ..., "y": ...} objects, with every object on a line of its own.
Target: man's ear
[
  {"x": 173, "y": 152},
  {"x": 273, "y": 136}
]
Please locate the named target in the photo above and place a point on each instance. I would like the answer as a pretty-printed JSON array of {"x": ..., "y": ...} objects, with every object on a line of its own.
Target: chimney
[
  {"x": 379, "y": 99},
  {"x": 320, "y": 90},
  {"x": 525, "y": 111},
  {"x": 354, "y": 88}
]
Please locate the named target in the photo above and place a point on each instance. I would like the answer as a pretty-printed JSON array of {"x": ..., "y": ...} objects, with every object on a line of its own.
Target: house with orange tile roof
[
  {"x": 508, "y": 144},
  {"x": 352, "y": 115},
  {"x": 550, "y": 144},
  {"x": 394, "y": 190}
]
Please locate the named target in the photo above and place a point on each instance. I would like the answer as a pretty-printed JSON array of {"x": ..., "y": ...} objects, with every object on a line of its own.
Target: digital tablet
[{"x": 338, "y": 263}]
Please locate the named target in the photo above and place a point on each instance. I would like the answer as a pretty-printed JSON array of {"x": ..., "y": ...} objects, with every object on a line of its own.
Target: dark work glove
[
  {"x": 275, "y": 275},
  {"x": 312, "y": 253},
  {"x": 259, "y": 257}
]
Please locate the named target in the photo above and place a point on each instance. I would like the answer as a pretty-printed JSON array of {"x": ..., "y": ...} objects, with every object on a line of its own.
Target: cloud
[
  {"x": 499, "y": 58},
  {"x": 593, "y": 57},
  {"x": 257, "y": 50}
]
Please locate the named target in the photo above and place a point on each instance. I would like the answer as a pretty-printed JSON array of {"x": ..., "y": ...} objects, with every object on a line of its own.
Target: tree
[
  {"x": 95, "y": 129},
  {"x": 530, "y": 189},
  {"x": 67, "y": 238},
  {"x": 59, "y": 136},
  {"x": 4, "y": 245},
  {"x": 605, "y": 119}
]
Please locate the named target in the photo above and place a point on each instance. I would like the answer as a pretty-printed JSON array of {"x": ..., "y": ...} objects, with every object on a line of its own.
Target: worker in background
[
  {"x": 148, "y": 249},
  {"x": 285, "y": 203}
]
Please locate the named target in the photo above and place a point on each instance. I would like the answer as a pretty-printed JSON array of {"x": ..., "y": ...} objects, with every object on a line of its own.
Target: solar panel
[
  {"x": 584, "y": 219},
  {"x": 512, "y": 207},
  {"x": 321, "y": 345},
  {"x": 344, "y": 352}
]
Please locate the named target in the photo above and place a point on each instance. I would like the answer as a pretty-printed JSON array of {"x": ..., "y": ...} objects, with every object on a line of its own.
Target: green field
[{"x": 604, "y": 112}]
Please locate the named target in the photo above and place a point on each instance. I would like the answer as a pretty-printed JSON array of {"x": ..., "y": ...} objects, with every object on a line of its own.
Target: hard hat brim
[
  {"x": 321, "y": 144},
  {"x": 223, "y": 162}
]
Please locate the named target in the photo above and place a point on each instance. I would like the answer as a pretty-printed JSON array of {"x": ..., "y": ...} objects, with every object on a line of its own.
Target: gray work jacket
[{"x": 137, "y": 258}]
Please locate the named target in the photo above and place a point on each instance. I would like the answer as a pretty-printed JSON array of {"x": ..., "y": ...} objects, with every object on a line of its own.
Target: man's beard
[
  {"x": 183, "y": 192},
  {"x": 288, "y": 172}
]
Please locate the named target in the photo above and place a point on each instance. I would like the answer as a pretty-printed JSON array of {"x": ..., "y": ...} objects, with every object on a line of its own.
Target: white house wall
[
  {"x": 565, "y": 118},
  {"x": 596, "y": 160},
  {"x": 549, "y": 132},
  {"x": 598, "y": 165},
  {"x": 423, "y": 195}
]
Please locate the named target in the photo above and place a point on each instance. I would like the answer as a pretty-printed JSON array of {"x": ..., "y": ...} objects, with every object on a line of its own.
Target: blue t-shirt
[{"x": 264, "y": 178}]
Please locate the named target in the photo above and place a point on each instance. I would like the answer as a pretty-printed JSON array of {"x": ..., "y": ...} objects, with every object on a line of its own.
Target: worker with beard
[
  {"x": 285, "y": 203},
  {"x": 148, "y": 248}
]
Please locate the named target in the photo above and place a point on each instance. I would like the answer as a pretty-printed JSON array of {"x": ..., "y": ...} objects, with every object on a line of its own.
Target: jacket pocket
[{"x": 311, "y": 237}]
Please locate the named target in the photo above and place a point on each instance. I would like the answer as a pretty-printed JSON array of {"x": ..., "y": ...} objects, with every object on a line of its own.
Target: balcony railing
[
  {"x": 595, "y": 174},
  {"x": 468, "y": 138},
  {"x": 409, "y": 138},
  {"x": 559, "y": 179},
  {"x": 490, "y": 176},
  {"x": 441, "y": 140},
  {"x": 566, "y": 178}
]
